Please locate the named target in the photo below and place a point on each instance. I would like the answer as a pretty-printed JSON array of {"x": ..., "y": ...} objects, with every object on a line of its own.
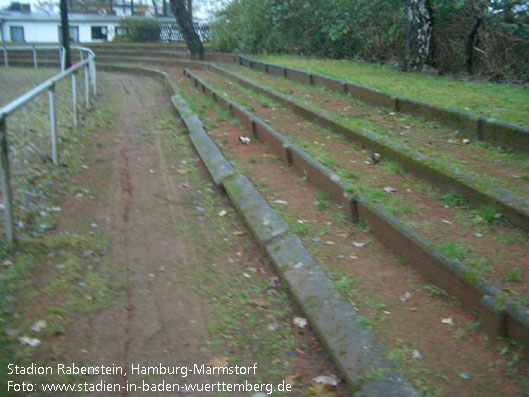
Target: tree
[
  {"x": 65, "y": 34},
  {"x": 418, "y": 34},
  {"x": 185, "y": 24}
]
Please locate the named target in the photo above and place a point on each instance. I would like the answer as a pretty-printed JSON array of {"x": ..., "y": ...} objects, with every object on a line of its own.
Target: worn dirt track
[{"x": 145, "y": 201}]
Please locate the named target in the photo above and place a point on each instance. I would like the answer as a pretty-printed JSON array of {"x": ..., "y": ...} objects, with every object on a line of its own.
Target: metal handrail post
[
  {"x": 63, "y": 59},
  {"x": 6, "y": 186},
  {"x": 93, "y": 76},
  {"x": 87, "y": 87},
  {"x": 53, "y": 123},
  {"x": 35, "y": 58},
  {"x": 74, "y": 99}
]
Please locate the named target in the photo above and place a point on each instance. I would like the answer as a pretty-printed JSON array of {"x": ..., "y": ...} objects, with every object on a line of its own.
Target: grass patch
[
  {"x": 506, "y": 102},
  {"x": 322, "y": 200},
  {"x": 454, "y": 198}
]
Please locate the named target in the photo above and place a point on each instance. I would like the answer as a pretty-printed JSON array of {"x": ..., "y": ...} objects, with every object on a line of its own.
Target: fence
[
  {"x": 88, "y": 64},
  {"x": 168, "y": 32}
]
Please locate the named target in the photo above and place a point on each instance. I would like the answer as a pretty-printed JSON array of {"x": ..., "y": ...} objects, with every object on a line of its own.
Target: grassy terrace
[
  {"x": 494, "y": 166},
  {"x": 445, "y": 218},
  {"x": 360, "y": 274},
  {"x": 506, "y": 102}
]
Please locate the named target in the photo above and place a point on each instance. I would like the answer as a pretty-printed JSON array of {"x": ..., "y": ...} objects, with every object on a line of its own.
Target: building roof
[{"x": 73, "y": 17}]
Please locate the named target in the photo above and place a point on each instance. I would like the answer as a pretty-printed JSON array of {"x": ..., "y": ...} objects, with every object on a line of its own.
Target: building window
[
  {"x": 17, "y": 33},
  {"x": 99, "y": 32},
  {"x": 121, "y": 31},
  {"x": 74, "y": 34}
]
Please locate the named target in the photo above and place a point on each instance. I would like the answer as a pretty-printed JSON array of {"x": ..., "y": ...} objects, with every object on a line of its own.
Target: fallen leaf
[
  {"x": 38, "y": 326},
  {"x": 273, "y": 327},
  {"x": 300, "y": 322},
  {"x": 291, "y": 379},
  {"x": 359, "y": 245},
  {"x": 448, "y": 321},
  {"x": 223, "y": 213},
  {"x": 417, "y": 355},
  {"x": 326, "y": 380},
  {"x": 320, "y": 390},
  {"x": 26, "y": 340},
  {"x": 218, "y": 362},
  {"x": 406, "y": 296},
  {"x": 257, "y": 303}
]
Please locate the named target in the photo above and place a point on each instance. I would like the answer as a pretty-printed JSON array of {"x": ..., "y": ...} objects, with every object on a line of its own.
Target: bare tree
[
  {"x": 183, "y": 18},
  {"x": 418, "y": 34},
  {"x": 470, "y": 42}
]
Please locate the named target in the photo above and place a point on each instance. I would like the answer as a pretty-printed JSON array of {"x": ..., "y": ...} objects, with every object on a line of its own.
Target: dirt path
[{"x": 189, "y": 285}]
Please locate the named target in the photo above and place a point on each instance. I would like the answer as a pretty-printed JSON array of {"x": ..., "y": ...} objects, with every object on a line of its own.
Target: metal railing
[{"x": 88, "y": 64}]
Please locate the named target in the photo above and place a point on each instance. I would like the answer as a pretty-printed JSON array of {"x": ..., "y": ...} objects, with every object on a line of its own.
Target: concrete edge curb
[
  {"x": 356, "y": 352},
  {"x": 500, "y": 316},
  {"x": 417, "y": 163},
  {"x": 482, "y": 128}
]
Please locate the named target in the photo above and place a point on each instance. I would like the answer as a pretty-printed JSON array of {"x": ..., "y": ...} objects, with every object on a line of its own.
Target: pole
[
  {"x": 6, "y": 187},
  {"x": 94, "y": 78},
  {"x": 74, "y": 98},
  {"x": 35, "y": 58},
  {"x": 86, "y": 87},
  {"x": 65, "y": 33},
  {"x": 53, "y": 124}
]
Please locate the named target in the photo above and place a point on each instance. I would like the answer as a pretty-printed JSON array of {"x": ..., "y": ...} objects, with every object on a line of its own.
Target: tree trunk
[
  {"x": 418, "y": 34},
  {"x": 164, "y": 8},
  {"x": 111, "y": 12},
  {"x": 470, "y": 42},
  {"x": 155, "y": 7},
  {"x": 190, "y": 9},
  {"x": 65, "y": 34},
  {"x": 132, "y": 7},
  {"x": 186, "y": 28}
]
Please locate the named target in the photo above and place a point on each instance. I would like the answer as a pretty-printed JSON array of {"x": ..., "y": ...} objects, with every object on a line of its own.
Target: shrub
[{"x": 140, "y": 29}]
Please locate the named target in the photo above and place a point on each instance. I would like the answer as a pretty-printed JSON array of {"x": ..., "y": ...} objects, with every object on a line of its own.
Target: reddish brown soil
[
  {"x": 380, "y": 280},
  {"x": 429, "y": 137},
  {"x": 502, "y": 248}
]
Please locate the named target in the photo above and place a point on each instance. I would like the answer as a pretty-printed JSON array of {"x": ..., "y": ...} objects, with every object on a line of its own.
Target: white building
[
  {"x": 43, "y": 28},
  {"x": 25, "y": 26}
]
